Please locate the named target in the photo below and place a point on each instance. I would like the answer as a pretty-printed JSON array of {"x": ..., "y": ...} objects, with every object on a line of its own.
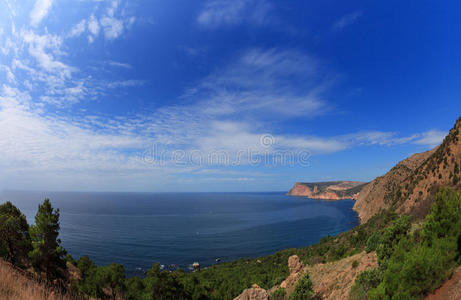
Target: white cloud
[
  {"x": 431, "y": 138},
  {"x": 93, "y": 25},
  {"x": 347, "y": 20},
  {"x": 78, "y": 29},
  {"x": 119, "y": 64},
  {"x": 9, "y": 74},
  {"x": 40, "y": 10},
  {"x": 125, "y": 83},
  {"x": 113, "y": 27},
  {"x": 232, "y": 12},
  {"x": 44, "y": 48},
  {"x": 112, "y": 8},
  {"x": 282, "y": 82}
]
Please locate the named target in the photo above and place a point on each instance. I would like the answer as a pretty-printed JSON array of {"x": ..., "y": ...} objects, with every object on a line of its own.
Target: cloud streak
[
  {"x": 217, "y": 13},
  {"x": 39, "y": 12},
  {"x": 347, "y": 20}
]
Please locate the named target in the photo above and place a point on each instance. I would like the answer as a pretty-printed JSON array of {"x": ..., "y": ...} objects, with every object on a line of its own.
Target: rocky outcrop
[
  {"x": 410, "y": 186},
  {"x": 332, "y": 190},
  {"x": 330, "y": 280},
  {"x": 296, "y": 271},
  {"x": 253, "y": 293}
]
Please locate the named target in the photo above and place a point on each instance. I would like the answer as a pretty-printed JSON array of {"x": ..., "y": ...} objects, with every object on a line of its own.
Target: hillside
[
  {"x": 331, "y": 190},
  {"x": 16, "y": 284},
  {"x": 411, "y": 185}
]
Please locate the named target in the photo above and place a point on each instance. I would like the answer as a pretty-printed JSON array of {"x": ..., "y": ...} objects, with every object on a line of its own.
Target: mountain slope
[{"x": 410, "y": 186}]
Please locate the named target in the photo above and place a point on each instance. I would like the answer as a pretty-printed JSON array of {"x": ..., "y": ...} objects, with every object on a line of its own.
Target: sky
[{"x": 221, "y": 95}]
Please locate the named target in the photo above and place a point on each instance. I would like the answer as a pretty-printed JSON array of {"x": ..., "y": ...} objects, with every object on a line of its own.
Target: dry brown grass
[{"x": 15, "y": 285}]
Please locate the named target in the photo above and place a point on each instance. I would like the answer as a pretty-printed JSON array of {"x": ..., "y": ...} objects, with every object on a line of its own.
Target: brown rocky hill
[
  {"x": 331, "y": 190},
  {"x": 411, "y": 185}
]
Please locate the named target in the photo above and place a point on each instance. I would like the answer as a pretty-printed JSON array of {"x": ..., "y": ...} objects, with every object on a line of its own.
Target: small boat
[
  {"x": 196, "y": 265},
  {"x": 218, "y": 259}
]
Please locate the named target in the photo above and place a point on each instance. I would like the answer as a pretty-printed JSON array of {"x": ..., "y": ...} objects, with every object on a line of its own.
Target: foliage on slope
[{"x": 415, "y": 258}]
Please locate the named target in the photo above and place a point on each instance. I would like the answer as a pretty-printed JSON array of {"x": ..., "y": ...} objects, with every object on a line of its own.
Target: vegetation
[
  {"x": 15, "y": 284},
  {"x": 414, "y": 263},
  {"x": 303, "y": 290},
  {"x": 279, "y": 294},
  {"x": 47, "y": 254},
  {"x": 14, "y": 234}
]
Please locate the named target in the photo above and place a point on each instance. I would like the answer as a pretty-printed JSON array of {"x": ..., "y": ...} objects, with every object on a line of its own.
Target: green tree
[
  {"x": 112, "y": 277},
  {"x": 303, "y": 290},
  {"x": 14, "y": 234},
  {"x": 134, "y": 288},
  {"x": 164, "y": 285},
  {"x": 47, "y": 255}
]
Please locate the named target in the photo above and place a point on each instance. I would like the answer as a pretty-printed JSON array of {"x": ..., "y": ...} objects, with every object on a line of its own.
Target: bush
[
  {"x": 373, "y": 242},
  {"x": 279, "y": 294},
  {"x": 303, "y": 290},
  {"x": 392, "y": 236},
  {"x": 355, "y": 264},
  {"x": 365, "y": 281}
]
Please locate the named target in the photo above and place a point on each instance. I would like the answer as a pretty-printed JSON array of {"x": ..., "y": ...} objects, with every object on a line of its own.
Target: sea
[{"x": 178, "y": 229}]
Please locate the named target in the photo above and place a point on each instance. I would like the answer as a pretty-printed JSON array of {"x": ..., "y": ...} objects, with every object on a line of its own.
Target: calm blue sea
[{"x": 137, "y": 229}]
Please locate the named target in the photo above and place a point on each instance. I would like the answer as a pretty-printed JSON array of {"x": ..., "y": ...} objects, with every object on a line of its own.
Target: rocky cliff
[
  {"x": 332, "y": 190},
  {"x": 411, "y": 185}
]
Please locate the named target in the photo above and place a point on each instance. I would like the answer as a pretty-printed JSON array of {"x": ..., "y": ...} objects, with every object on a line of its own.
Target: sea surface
[{"x": 138, "y": 229}]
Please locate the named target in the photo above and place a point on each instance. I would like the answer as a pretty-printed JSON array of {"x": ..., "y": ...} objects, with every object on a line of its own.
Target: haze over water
[{"x": 138, "y": 229}]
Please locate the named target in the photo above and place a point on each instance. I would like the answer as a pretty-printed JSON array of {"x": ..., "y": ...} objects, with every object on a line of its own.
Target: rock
[
  {"x": 253, "y": 293},
  {"x": 296, "y": 267},
  {"x": 294, "y": 264}
]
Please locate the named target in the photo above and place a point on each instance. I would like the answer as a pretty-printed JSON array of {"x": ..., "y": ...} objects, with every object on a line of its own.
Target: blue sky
[{"x": 221, "y": 95}]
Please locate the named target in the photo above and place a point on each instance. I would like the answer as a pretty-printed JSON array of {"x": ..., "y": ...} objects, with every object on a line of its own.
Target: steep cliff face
[
  {"x": 411, "y": 185},
  {"x": 332, "y": 190},
  {"x": 374, "y": 195}
]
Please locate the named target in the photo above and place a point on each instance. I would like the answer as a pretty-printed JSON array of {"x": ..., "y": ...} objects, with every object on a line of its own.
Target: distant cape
[{"x": 330, "y": 190}]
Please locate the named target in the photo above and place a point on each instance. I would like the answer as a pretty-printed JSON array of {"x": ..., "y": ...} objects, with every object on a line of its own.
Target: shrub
[
  {"x": 303, "y": 290},
  {"x": 355, "y": 264},
  {"x": 392, "y": 236},
  {"x": 279, "y": 294},
  {"x": 373, "y": 242},
  {"x": 365, "y": 281}
]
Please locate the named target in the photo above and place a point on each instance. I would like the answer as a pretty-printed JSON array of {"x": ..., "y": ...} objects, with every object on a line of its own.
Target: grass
[{"x": 16, "y": 285}]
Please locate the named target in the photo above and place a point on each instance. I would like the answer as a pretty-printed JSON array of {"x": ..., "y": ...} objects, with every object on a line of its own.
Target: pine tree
[
  {"x": 14, "y": 234},
  {"x": 47, "y": 255}
]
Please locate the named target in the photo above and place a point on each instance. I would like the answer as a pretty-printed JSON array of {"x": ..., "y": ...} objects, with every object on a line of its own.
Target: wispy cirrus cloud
[
  {"x": 40, "y": 10},
  {"x": 119, "y": 64},
  {"x": 430, "y": 138},
  {"x": 218, "y": 13},
  {"x": 347, "y": 20},
  {"x": 261, "y": 80}
]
